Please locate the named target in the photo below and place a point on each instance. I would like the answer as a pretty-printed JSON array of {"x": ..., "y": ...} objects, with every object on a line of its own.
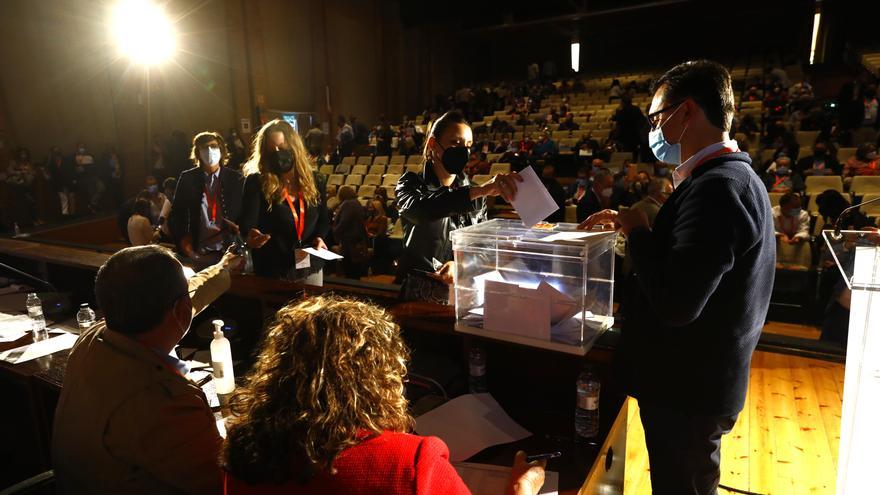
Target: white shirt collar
[{"x": 684, "y": 170}]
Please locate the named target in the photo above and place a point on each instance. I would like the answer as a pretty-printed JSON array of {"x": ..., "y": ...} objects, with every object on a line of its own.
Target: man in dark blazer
[
  {"x": 207, "y": 203},
  {"x": 701, "y": 282}
]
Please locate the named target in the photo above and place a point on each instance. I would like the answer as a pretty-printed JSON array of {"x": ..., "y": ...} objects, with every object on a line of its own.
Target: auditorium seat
[
  {"x": 414, "y": 159},
  {"x": 380, "y": 160},
  {"x": 480, "y": 179},
  {"x": 377, "y": 169},
  {"x": 348, "y": 160},
  {"x": 774, "y": 198},
  {"x": 354, "y": 180},
  {"x": 390, "y": 191},
  {"x": 397, "y": 160},
  {"x": 499, "y": 168},
  {"x": 390, "y": 179},
  {"x": 343, "y": 169},
  {"x": 873, "y": 209},
  {"x": 767, "y": 155},
  {"x": 863, "y": 184},
  {"x": 326, "y": 169},
  {"x": 395, "y": 169},
  {"x": 367, "y": 191},
  {"x": 337, "y": 179},
  {"x": 844, "y": 154},
  {"x": 492, "y": 157},
  {"x": 365, "y": 160},
  {"x": 359, "y": 170},
  {"x": 372, "y": 180},
  {"x": 414, "y": 167},
  {"x": 817, "y": 184},
  {"x": 807, "y": 138}
]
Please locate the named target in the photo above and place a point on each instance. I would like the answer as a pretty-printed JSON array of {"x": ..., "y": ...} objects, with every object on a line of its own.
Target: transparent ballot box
[{"x": 547, "y": 288}]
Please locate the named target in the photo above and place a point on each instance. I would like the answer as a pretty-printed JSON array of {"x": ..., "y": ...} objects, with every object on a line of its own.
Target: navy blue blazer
[{"x": 699, "y": 292}]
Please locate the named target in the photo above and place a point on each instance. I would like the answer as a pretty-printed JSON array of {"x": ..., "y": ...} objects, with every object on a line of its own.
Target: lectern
[{"x": 857, "y": 255}]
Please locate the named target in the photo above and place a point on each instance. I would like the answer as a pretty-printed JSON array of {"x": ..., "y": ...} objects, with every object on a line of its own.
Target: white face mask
[
  {"x": 607, "y": 192},
  {"x": 210, "y": 156}
]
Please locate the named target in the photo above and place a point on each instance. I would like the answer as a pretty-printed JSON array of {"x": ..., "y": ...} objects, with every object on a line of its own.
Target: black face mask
[
  {"x": 455, "y": 158},
  {"x": 281, "y": 161},
  {"x": 819, "y": 153}
]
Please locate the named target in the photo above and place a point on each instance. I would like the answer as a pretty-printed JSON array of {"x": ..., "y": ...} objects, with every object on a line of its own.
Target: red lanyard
[
  {"x": 299, "y": 217},
  {"x": 212, "y": 202},
  {"x": 723, "y": 151}
]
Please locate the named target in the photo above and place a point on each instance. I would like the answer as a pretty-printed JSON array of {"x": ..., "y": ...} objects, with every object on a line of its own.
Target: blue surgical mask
[
  {"x": 793, "y": 212},
  {"x": 152, "y": 189},
  {"x": 663, "y": 150},
  {"x": 782, "y": 171}
]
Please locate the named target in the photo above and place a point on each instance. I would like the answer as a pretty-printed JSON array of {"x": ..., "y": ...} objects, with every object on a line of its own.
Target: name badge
[{"x": 585, "y": 152}]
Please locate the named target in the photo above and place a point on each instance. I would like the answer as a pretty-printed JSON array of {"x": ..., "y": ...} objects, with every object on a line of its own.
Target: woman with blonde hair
[
  {"x": 283, "y": 206},
  {"x": 323, "y": 411}
]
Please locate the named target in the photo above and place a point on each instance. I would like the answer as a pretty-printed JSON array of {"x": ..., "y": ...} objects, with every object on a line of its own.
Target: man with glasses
[
  {"x": 128, "y": 421},
  {"x": 701, "y": 281}
]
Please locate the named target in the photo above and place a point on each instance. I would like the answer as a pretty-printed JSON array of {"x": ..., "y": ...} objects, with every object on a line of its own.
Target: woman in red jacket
[{"x": 323, "y": 411}]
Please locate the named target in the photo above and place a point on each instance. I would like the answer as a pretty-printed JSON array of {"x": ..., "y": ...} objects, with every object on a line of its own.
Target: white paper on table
[
  {"x": 323, "y": 254},
  {"x": 38, "y": 349},
  {"x": 570, "y": 236},
  {"x": 488, "y": 479},
  {"x": 469, "y": 424},
  {"x": 562, "y": 307},
  {"x": 532, "y": 202},
  {"x": 14, "y": 327}
]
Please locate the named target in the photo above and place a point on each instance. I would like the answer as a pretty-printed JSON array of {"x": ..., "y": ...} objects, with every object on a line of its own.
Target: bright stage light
[
  {"x": 142, "y": 32},
  {"x": 817, "y": 19},
  {"x": 575, "y": 56}
]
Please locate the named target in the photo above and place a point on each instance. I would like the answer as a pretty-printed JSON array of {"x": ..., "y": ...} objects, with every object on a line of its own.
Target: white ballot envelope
[
  {"x": 532, "y": 202},
  {"x": 302, "y": 259}
]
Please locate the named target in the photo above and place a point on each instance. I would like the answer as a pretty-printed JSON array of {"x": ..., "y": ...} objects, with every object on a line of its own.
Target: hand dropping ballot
[{"x": 532, "y": 202}]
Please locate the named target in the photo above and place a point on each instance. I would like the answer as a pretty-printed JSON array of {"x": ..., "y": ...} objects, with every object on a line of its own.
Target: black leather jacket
[{"x": 429, "y": 212}]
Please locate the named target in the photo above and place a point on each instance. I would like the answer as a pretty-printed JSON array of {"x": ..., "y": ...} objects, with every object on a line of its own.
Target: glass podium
[{"x": 857, "y": 256}]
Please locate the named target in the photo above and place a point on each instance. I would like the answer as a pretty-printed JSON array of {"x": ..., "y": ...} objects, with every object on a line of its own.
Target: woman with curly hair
[{"x": 323, "y": 411}]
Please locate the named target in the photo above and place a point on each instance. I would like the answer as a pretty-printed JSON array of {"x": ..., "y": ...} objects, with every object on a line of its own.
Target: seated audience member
[
  {"x": 598, "y": 196},
  {"x": 127, "y": 420},
  {"x": 140, "y": 230},
  {"x": 780, "y": 178},
  {"x": 376, "y": 222},
  {"x": 19, "y": 179},
  {"x": 546, "y": 148},
  {"x": 580, "y": 184},
  {"x": 569, "y": 124},
  {"x": 792, "y": 222},
  {"x": 864, "y": 162},
  {"x": 156, "y": 198},
  {"x": 819, "y": 163},
  {"x": 477, "y": 165},
  {"x": 169, "y": 186},
  {"x": 207, "y": 204},
  {"x": 390, "y": 206},
  {"x": 323, "y": 411},
  {"x": 658, "y": 191},
  {"x": 350, "y": 232}
]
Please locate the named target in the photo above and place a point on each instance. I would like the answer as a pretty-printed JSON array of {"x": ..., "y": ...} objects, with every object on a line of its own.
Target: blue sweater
[{"x": 700, "y": 291}]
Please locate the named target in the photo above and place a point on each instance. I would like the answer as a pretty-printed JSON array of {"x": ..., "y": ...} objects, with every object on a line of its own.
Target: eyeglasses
[{"x": 654, "y": 118}]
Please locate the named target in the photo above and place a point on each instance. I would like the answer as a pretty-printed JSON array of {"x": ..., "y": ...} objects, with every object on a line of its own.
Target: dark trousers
[{"x": 684, "y": 450}]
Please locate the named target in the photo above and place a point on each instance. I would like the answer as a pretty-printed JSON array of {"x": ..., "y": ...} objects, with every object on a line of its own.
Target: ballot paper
[
  {"x": 488, "y": 479},
  {"x": 524, "y": 308},
  {"x": 532, "y": 202},
  {"x": 38, "y": 349},
  {"x": 323, "y": 254},
  {"x": 14, "y": 327},
  {"x": 469, "y": 424},
  {"x": 575, "y": 235}
]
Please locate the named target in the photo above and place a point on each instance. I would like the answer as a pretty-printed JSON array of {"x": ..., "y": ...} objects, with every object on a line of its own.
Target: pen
[{"x": 543, "y": 457}]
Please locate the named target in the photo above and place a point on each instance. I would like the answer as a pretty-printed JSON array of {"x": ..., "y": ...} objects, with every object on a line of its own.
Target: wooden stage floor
[{"x": 785, "y": 441}]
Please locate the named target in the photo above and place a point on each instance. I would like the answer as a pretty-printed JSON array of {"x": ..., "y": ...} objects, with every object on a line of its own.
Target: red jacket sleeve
[{"x": 434, "y": 473}]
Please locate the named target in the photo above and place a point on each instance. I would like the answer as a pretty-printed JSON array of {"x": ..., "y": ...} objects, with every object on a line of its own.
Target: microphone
[
  {"x": 846, "y": 211},
  {"x": 27, "y": 276}
]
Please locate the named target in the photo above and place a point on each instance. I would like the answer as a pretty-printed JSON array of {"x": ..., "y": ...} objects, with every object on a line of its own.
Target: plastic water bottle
[
  {"x": 35, "y": 312},
  {"x": 477, "y": 370},
  {"x": 586, "y": 414},
  {"x": 221, "y": 361},
  {"x": 85, "y": 317}
]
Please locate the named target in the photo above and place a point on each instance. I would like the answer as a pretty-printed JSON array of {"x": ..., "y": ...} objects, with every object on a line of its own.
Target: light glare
[
  {"x": 817, "y": 18},
  {"x": 575, "y": 56},
  {"x": 142, "y": 32}
]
